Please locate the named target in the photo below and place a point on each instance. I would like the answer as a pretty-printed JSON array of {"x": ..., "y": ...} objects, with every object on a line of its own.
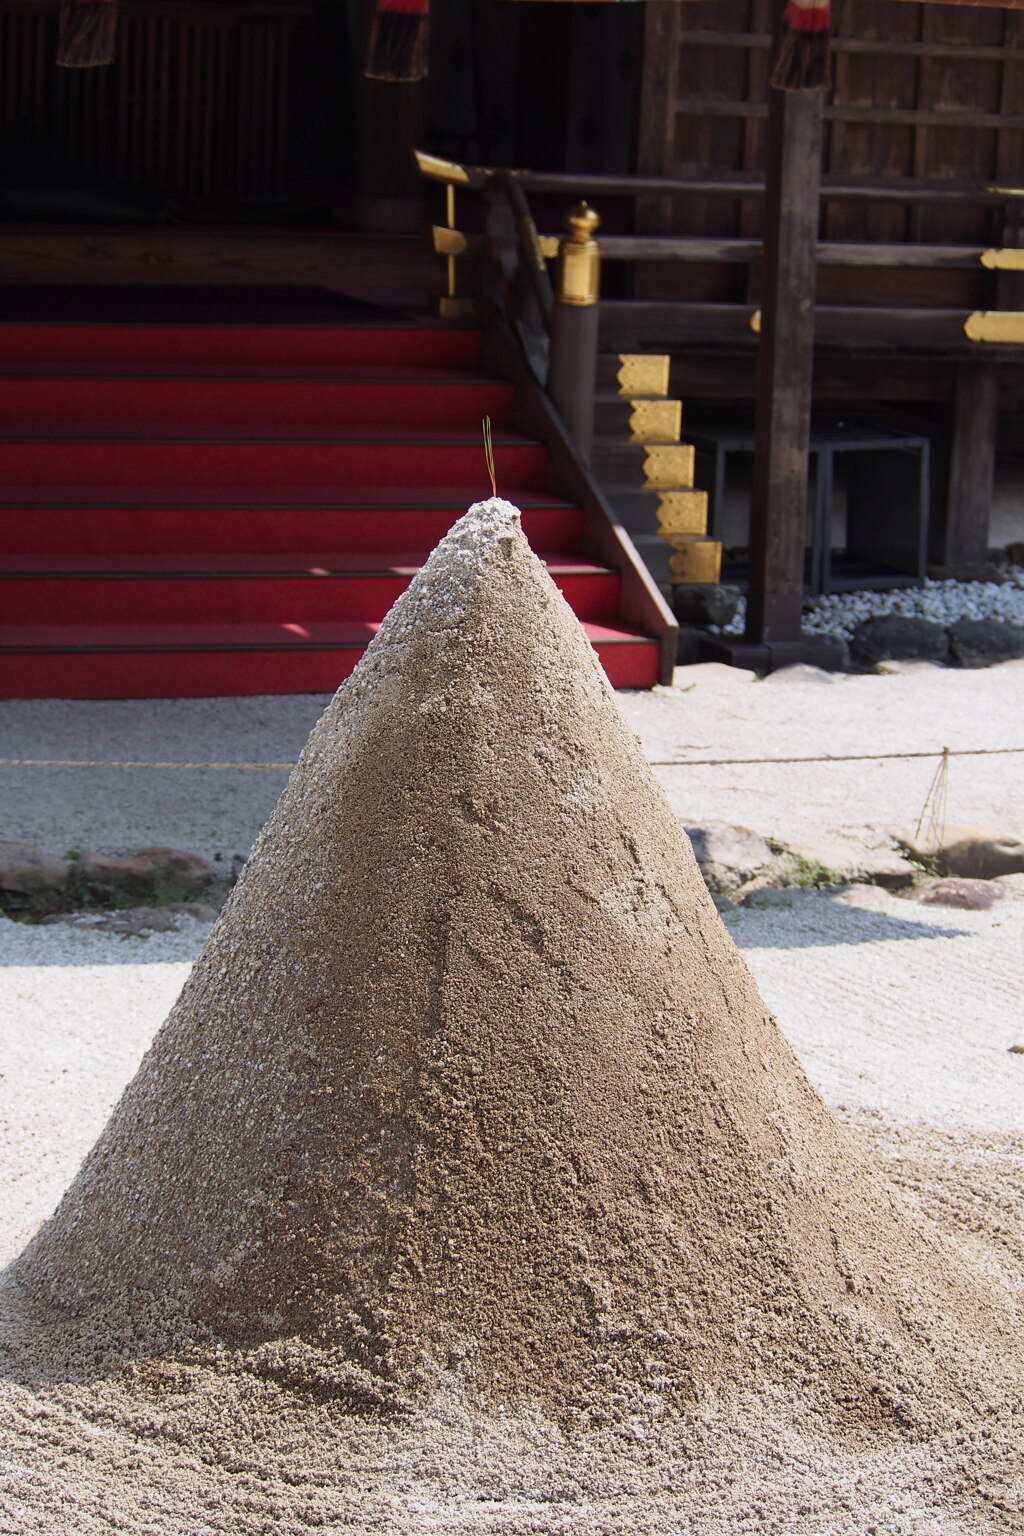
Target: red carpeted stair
[{"x": 210, "y": 510}]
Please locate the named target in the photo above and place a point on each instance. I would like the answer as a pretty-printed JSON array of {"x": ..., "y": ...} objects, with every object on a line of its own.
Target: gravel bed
[
  {"x": 77, "y": 1011},
  {"x": 943, "y": 602}
]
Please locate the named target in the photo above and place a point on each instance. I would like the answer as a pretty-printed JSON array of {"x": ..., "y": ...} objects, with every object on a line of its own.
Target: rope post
[{"x": 572, "y": 371}]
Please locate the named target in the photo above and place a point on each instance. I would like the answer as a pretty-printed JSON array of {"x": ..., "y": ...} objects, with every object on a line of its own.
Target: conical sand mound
[{"x": 470, "y": 1080}]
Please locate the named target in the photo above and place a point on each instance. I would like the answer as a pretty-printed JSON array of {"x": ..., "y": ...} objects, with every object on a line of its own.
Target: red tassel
[
  {"x": 398, "y": 40},
  {"x": 804, "y": 62},
  {"x": 86, "y": 32}
]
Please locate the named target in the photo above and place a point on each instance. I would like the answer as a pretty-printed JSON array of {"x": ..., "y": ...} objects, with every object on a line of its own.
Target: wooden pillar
[
  {"x": 778, "y": 518},
  {"x": 389, "y": 123},
  {"x": 972, "y": 463}
]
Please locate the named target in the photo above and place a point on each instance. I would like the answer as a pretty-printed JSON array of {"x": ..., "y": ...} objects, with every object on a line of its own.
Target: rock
[
  {"x": 715, "y": 673},
  {"x": 722, "y": 902},
  {"x": 1011, "y": 886},
  {"x": 967, "y": 851},
  {"x": 875, "y": 863},
  {"x": 26, "y": 870},
  {"x": 912, "y": 668},
  {"x": 967, "y": 895},
  {"x": 704, "y": 605},
  {"x": 136, "y": 920},
  {"x": 982, "y": 642},
  {"x": 157, "y": 875},
  {"x": 803, "y": 672},
  {"x": 131, "y": 921},
  {"x": 766, "y": 882},
  {"x": 729, "y": 856},
  {"x": 779, "y": 896},
  {"x": 1017, "y": 1050},
  {"x": 199, "y": 911},
  {"x": 894, "y": 637}
]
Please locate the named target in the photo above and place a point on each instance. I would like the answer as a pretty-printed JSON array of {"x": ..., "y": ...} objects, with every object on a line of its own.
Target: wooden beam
[
  {"x": 854, "y": 328},
  {"x": 73, "y": 254},
  {"x": 831, "y": 253},
  {"x": 778, "y": 514}
]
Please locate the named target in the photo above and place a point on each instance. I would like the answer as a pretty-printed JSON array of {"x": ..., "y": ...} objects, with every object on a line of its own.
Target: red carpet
[{"x": 210, "y": 510}]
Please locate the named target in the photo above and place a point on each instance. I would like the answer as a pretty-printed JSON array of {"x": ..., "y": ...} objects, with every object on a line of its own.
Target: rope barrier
[
  {"x": 60, "y": 762},
  {"x": 852, "y": 757},
  {"x": 671, "y": 762}
]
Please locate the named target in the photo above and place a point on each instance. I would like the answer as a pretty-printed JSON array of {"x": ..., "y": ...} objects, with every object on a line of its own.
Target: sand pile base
[
  {"x": 161, "y": 1446},
  {"x": 471, "y": 1167}
]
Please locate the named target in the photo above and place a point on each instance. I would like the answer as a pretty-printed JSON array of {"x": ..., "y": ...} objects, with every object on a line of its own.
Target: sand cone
[{"x": 470, "y": 1081}]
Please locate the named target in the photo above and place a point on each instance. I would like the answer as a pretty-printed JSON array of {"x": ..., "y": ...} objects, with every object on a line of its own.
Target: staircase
[{"x": 203, "y": 510}]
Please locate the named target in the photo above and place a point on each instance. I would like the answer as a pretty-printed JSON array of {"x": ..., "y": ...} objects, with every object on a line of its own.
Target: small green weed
[{"x": 807, "y": 874}]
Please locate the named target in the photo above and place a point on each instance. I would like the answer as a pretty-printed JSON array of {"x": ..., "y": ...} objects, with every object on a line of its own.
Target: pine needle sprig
[{"x": 489, "y": 454}]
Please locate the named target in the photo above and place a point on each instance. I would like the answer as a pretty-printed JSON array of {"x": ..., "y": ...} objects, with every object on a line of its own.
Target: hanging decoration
[
  {"x": 804, "y": 59},
  {"x": 86, "y": 31},
  {"x": 398, "y": 40}
]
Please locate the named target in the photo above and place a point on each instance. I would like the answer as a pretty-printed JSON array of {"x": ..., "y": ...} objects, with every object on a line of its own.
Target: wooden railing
[
  {"x": 543, "y": 333},
  {"x": 512, "y": 256}
]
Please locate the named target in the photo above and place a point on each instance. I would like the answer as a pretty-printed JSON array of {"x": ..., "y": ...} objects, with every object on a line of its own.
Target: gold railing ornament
[
  {"x": 448, "y": 241},
  {"x": 578, "y": 279},
  {"x": 1008, "y": 259},
  {"x": 656, "y": 422},
  {"x": 1001, "y": 327}
]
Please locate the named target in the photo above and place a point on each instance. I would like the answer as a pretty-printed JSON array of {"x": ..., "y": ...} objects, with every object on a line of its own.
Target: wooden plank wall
[
  {"x": 194, "y": 102},
  {"x": 922, "y": 93}
]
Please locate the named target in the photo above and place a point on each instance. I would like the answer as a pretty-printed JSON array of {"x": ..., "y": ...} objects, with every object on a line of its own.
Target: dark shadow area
[{"x": 818, "y": 920}]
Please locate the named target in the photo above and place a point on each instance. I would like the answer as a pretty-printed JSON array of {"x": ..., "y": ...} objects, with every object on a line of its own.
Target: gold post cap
[{"x": 581, "y": 222}]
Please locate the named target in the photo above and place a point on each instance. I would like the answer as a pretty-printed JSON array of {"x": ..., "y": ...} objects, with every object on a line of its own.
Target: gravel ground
[
  {"x": 943, "y": 602},
  {"x": 711, "y": 712}
]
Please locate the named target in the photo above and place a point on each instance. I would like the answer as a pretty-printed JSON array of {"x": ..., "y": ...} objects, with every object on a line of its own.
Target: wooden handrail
[
  {"x": 983, "y": 194},
  {"x": 830, "y": 253}
]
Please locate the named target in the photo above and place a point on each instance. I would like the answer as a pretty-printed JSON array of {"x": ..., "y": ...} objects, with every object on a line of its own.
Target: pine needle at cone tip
[{"x": 489, "y": 454}]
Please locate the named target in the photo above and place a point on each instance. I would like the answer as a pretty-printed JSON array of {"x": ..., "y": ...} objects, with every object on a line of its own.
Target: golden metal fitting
[
  {"x": 667, "y": 466},
  {"x": 682, "y": 512},
  {"x": 436, "y": 169},
  {"x": 655, "y": 421},
  {"x": 643, "y": 374},
  {"x": 457, "y": 309},
  {"x": 448, "y": 242},
  {"x": 1007, "y": 260},
  {"x": 997, "y": 325},
  {"x": 579, "y": 259},
  {"x": 696, "y": 560},
  {"x": 755, "y": 322}
]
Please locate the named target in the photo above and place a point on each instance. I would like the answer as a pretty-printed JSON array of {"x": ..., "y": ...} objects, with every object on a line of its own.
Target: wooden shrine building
[{"x": 805, "y": 257}]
